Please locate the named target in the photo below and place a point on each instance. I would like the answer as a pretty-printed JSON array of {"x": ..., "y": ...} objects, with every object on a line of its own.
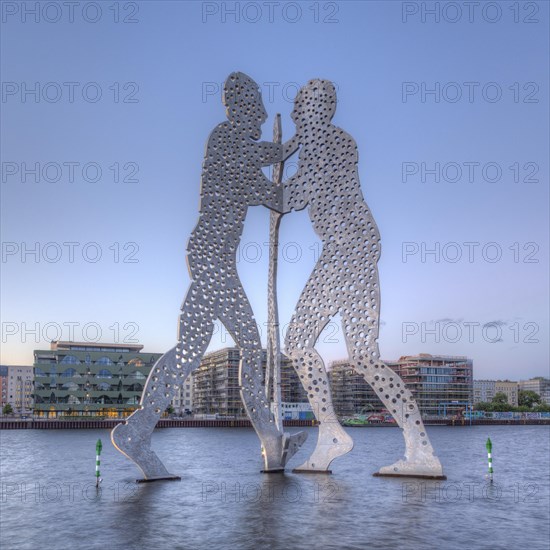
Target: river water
[{"x": 49, "y": 500}]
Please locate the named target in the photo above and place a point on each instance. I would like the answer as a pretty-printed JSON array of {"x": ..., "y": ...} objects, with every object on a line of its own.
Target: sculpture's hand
[
  {"x": 277, "y": 203},
  {"x": 294, "y": 193},
  {"x": 285, "y": 198},
  {"x": 290, "y": 147}
]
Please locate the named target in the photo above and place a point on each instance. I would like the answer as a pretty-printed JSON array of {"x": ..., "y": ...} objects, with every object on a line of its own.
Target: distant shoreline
[{"x": 52, "y": 424}]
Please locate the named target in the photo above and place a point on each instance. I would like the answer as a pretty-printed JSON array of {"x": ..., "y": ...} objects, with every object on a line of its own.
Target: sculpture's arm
[
  {"x": 295, "y": 193},
  {"x": 260, "y": 189},
  {"x": 290, "y": 147},
  {"x": 269, "y": 152},
  {"x": 275, "y": 152},
  {"x": 264, "y": 191},
  {"x": 274, "y": 198}
]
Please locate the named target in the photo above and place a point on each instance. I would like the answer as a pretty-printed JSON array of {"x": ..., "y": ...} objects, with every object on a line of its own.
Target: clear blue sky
[{"x": 178, "y": 53}]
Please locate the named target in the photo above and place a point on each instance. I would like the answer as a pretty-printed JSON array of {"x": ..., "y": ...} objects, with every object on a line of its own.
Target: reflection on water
[{"x": 48, "y": 497}]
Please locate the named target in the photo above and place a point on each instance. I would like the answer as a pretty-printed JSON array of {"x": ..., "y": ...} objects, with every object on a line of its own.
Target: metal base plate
[
  {"x": 304, "y": 471},
  {"x": 421, "y": 476},
  {"x": 165, "y": 478}
]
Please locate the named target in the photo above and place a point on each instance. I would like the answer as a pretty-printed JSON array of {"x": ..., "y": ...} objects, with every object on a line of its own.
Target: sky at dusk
[{"x": 113, "y": 103}]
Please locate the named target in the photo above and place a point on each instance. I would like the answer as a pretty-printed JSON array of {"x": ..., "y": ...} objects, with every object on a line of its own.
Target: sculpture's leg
[
  {"x": 313, "y": 312},
  {"x": 420, "y": 459},
  {"x": 332, "y": 440},
  {"x": 258, "y": 408},
  {"x": 236, "y": 314},
  {"x": 133, "y": 437}
]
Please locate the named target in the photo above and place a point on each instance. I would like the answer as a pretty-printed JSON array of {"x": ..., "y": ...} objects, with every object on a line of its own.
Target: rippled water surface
[{"x": 223, "y": 501}]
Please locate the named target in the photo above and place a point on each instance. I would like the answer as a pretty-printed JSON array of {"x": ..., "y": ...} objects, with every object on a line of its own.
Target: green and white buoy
[
  {"x": 98, "y": 447},
  {"x": 489, "y": 447}
]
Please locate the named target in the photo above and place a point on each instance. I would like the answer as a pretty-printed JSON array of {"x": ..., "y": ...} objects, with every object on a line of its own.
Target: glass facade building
[
  {"x": 441, "y": 385},
  {"x": 351, "y": 394},
  {"x": 216, "y": 384},
  {"x": 88, "y": 379}
]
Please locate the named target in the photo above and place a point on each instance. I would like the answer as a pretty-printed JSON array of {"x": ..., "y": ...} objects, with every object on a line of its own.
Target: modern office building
[
  {"x": 90, "y": 379},
  {"x": 441, "y": 384},
  {"x": 509, "y": 389},
  {"x": 183, "y": 400},
  {"x": 3, "y": 386},
  {"x": 351, "y": 394},
  {"x": 16, "y": 388},
  {"x": 216, "y": 384},
  {"x": 292, "y": 391},
  {"x": 539, "y": 385},
  {"x": 484, "y": 391}
]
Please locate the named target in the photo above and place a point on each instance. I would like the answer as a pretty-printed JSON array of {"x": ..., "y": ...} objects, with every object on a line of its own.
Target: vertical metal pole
[
  {"x": 273, "y": 367},
  {"x": 98, "y": 448},
  {"x": 489, "y": 447}
]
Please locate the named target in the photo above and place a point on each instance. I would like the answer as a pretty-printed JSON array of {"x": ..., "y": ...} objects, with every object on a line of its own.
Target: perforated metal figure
[
  {"x": 344, "y": 281},
  {"x": 232, "y": 180}
]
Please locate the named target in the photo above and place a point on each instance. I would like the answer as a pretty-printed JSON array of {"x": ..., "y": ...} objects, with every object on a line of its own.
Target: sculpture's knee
[
  {"x": 250, "y": 369},
  {"x": 294, "y": 337}
]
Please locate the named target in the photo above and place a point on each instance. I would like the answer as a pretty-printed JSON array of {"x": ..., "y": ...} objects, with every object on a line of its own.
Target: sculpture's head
[
  {"x": 243, "y": 103},
  {"x": 315, "y": 103}
]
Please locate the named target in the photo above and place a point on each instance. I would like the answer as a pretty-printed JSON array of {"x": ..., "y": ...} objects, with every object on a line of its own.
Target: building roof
[{"x": 67, "y": 345}]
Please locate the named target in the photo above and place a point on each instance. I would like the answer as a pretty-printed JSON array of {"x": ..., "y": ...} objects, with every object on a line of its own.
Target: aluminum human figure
[
  {"x": 344, "y": 281},
  {"x": 232, "y": 180}
]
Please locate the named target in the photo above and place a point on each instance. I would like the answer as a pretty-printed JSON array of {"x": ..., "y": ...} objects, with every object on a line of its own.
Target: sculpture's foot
[
  {"x": 130, "y": 441},
  {"x": 291, "y": 444},
  {"x": 332, "y": 443},
  {"x": 272, "y": 451},
  {"x": 427, "y": 467},
  {"x": 277, "y": 450}
]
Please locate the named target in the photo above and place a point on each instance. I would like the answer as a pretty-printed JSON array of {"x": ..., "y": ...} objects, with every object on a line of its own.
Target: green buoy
[
  {"x": 489, "y": 447},
  {"x": 98, "y": 447}
]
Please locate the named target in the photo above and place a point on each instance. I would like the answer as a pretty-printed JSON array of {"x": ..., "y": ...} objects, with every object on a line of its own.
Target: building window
[
  {"x": 70, "y": 360},
  {"x": 69, "y": 373},
  {"x": 104, "y": 361},
  {"x": 104, "y": 400},
  {"x": 104, "y": 373}
]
